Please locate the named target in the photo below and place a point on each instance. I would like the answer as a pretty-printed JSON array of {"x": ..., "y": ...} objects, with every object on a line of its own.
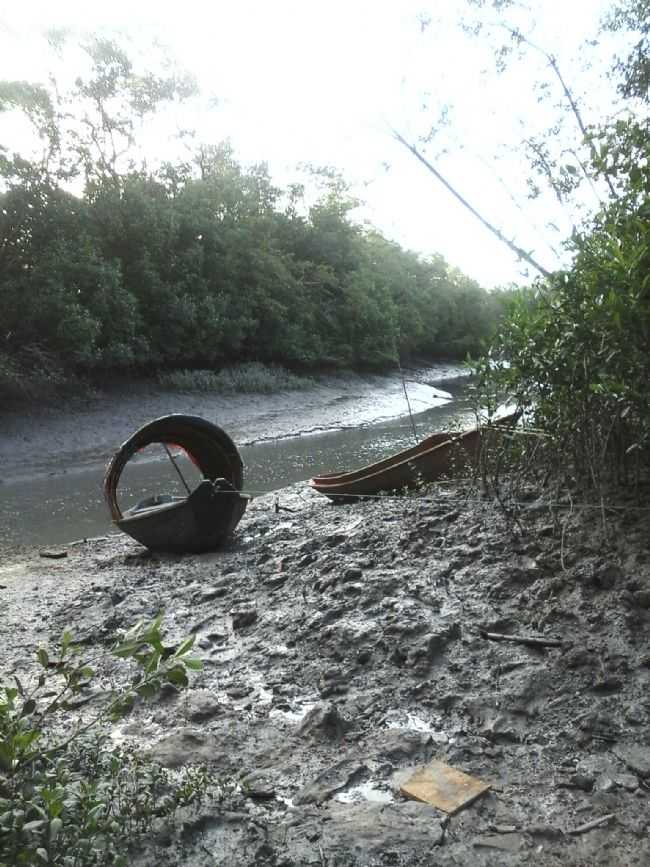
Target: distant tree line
[{"x": 199, "y": 262}]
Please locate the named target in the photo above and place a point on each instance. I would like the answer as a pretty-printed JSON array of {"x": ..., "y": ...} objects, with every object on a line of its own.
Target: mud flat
[
  {"x": 79, "y": 433},
  {"x": 343, "y": 646}
]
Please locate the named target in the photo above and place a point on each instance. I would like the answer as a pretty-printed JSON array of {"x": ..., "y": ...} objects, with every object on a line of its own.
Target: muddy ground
[
  {"x": 342, "y": 648},
  {"x": 75, "y": 432}
]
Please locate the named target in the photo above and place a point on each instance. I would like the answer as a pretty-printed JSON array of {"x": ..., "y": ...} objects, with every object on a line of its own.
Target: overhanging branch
[{"x": 518, "y": 251}]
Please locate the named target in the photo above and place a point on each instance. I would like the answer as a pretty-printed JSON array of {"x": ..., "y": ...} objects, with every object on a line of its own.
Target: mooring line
[{"x": 407, "y": 500}]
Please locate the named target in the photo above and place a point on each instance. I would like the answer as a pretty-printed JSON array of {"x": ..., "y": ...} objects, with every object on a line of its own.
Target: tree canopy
[{"x": 108, "y": 264}]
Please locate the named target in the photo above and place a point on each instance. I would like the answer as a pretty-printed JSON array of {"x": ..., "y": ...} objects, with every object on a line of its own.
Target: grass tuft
[{"x": 250, "y": 378}]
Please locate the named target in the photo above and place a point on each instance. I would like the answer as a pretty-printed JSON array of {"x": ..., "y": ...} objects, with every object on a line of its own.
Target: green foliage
[
  {"x": 249, "y": 378},
  {"x": 198, "y": 263},
  {"x": 574, "y": 355},
  {"x": 67, "y": 798},
  {"x": 31, "y": 375},
  {"x": 634, "y": 70},
  {"x": 573, "y": 352}
]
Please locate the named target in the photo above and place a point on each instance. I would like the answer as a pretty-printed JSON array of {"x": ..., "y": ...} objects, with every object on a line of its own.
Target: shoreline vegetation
[
  {"x": 29, "y": 391},
  {"x": 200, "y": 262},
  {"x": 249, "y": 378},
  {"x": 41, "y": 437}
]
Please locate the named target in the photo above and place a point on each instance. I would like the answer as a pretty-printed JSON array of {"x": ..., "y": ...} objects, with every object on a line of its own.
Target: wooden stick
[
  {"x": 518, "y": 251},
  {"x": 522, "y": 639},
  {"x": 589, "y": 826},
  {"x": 177, "y": 468}
]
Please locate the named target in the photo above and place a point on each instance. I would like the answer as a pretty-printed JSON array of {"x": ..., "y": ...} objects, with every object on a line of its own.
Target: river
[{"x": 67, "y": 504}]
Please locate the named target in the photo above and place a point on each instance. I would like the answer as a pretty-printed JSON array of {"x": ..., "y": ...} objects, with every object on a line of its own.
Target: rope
[
  {"x": 408, "y": 402},
  {"x": 177, "y": 468},
  {"x": 401, "y": 498}
]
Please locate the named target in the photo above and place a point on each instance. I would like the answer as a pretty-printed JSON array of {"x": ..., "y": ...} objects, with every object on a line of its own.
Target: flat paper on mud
[{"x": 443, "y": 787}]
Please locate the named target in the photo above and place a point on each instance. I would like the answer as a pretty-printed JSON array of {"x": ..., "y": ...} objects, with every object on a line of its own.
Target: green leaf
[
  {"x": 6, "y": 756},
  {"x": 65, "y": 642},
  {"x": 193, "y": 663},
  {"x": 122, "y": 707},
  {"x": 188, "y": 644},
  {"x": 133, "y": 634},
  {"x": 178, "y": 676},
  {"x": 28, "y": 708},
  {"x": 126, "y": 648},
  {"x": 35, "y": 825},
  {"x": 148, "y": 690},
  {"x": 25, "y": 739},
  {"x": 55, "y": 828},
  {"x": 42, "y": 656}
]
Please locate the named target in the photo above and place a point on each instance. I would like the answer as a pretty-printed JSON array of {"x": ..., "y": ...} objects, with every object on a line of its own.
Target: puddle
[
  {"x": 277, "y": 650},
  {"x": 225, "y": 654},
  {"x": 263, "y": 695},
  {"x": 399, "y": 720},
  {"x": 368, "y": 791},
  {"x": 126, "y": 732},
  {"x": 228, "y": 646},
  {"x": 20, "y": 570},
  {"x": 294, "y": 716},
  {"x": 286, "y": 801}
]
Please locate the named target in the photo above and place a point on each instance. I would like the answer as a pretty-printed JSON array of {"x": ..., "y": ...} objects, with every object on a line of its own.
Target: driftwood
[
  {"x": 589, "y": 826},
  {"x": 530, "y": 641}
]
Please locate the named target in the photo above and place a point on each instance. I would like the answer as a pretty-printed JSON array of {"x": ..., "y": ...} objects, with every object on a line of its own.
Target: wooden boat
[
  {"x": 440, "y": 454},
  {"x": 203, "y": 519}
]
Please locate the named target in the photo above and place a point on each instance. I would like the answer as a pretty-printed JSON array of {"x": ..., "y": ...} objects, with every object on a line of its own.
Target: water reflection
[{"x": 70, "y": 505}]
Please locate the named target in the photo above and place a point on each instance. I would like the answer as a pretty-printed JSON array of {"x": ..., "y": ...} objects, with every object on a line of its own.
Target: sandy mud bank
[
  {"x": 46, "y": 440},
  {"x": 343, "y": 646}
]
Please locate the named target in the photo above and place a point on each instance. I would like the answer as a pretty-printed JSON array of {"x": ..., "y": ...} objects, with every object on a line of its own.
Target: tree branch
[
  {"x": 518, "y": 251},
  {"x": 517, "y": 35}
]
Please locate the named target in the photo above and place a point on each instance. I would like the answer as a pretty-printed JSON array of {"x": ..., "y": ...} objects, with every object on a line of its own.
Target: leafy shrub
[
  {"x": 33, "y": 375},
  {"x": 574, "y": 356},
  {"x": 250, "y": 378},
  {"x": 65, "y": 799}
]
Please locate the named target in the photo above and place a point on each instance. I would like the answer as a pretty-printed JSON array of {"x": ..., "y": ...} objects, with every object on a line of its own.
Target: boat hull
[
  {"x": 442, "y": 454},
  {"x": 200, "y": 522}
]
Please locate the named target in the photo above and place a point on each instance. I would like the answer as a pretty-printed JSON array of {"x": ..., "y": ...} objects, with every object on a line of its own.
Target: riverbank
[
  {"x": 344, "y": 646},
  {"x": 41, "y": 440}
]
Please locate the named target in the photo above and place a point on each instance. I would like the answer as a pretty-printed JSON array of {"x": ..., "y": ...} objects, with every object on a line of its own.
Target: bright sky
[{"x": 323, "y": 82}]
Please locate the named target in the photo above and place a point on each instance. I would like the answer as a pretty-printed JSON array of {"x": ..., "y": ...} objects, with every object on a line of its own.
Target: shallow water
[{"x": 69, "y": 505}]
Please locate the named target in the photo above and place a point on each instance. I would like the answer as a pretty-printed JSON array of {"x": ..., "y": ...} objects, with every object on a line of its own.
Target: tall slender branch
[
  {"x": 517, "y": 35},
  {"x": 518, "y": 251}
]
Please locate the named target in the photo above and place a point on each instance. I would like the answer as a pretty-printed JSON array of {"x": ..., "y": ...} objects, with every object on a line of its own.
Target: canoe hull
[
  {"x": 200, "y": 522},
  {"x": 206, "y": 517},
  {"x": 442, "y": 454}
]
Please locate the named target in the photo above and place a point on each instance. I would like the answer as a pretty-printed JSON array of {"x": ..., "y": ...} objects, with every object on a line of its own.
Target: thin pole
[
  {"x": 408, "y": 402},
  {"x": 518, "y": 251},
  {"x": 177, "y": 468}
]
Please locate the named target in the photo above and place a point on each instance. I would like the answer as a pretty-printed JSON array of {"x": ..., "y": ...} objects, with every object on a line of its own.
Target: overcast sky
[{"x": 324, "y": 82}]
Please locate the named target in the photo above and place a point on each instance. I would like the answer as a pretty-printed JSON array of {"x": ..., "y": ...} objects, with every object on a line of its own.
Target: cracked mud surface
[{"x": 342, "y": 649}]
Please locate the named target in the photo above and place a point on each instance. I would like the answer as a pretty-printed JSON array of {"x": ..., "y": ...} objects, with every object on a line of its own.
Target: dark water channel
[{"x": 61, "y": 508}]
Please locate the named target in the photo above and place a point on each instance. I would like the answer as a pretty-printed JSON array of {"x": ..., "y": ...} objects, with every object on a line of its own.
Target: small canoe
[
  {"x": 203, "y": 519},
  {"x": 441, "y": 454}
]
